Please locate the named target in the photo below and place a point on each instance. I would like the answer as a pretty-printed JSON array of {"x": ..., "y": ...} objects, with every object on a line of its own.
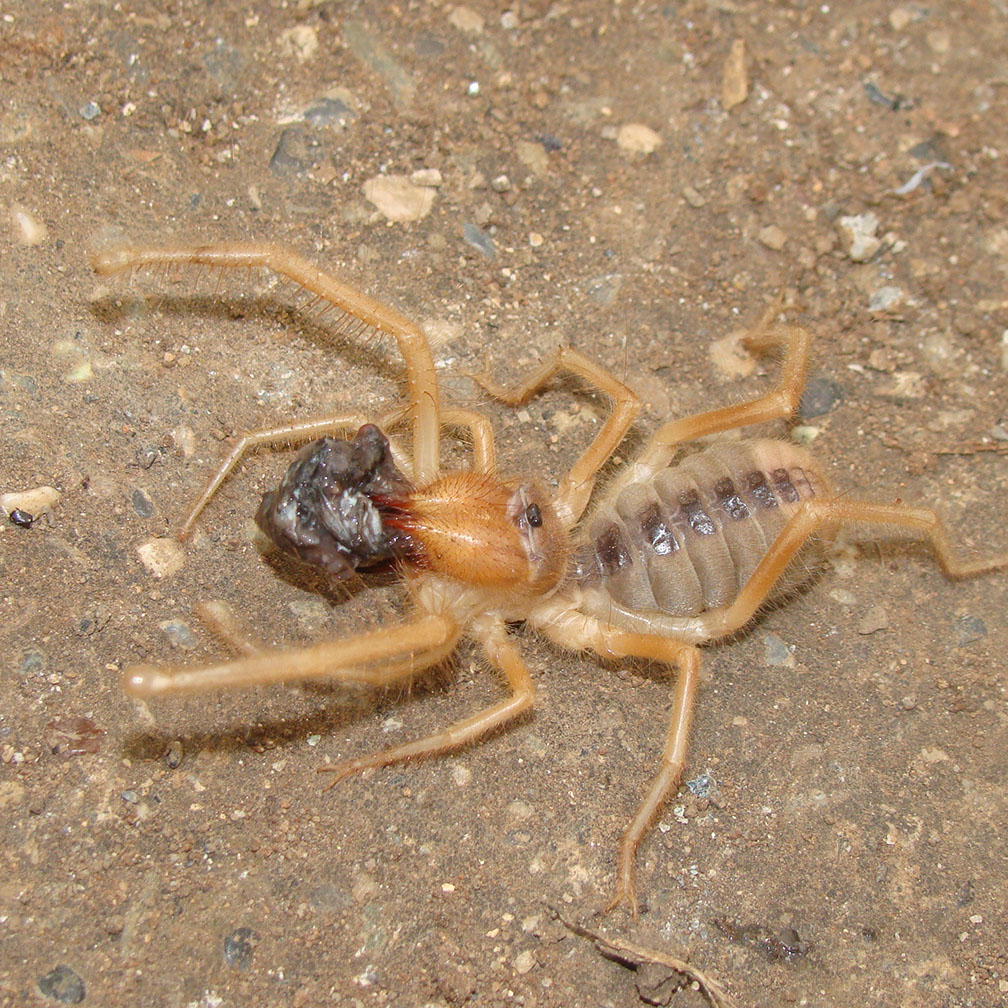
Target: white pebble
[
  {"x": 37, "y": 501},
  {"x": 27, "y": 230},
  {"x": 638, "y": 138},
  {"x": 859, "y": 231},
  {"x": 397, "y": 198},
  {"x": 161, "y": 557}
]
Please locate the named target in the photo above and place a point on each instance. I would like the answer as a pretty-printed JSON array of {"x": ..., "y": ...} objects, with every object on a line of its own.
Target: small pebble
[
  {"x": 90, "y": 111},
  {"x": 500, "y": 184},
  {"x": 27, "y": 229},
  {"x": 638, "y": 138},
  {"x": 534, "y": 156},
  {"x": 969, "y": 629},
  {"x": 466, "y": 20},
  {"x": 130, "y": 797},
  {"x": 772, "y": 237},
  {"x": 295, "y": 151},
  {"x": 142, "y": 504},
  {"x": 238, "y": 948},
  {"x": 876, "y": 96},
  {"x": 328, "y": 112},
  {"x": 702, "y": 786},
  {"x": 161, "y": 557},
  {"x": 523, "y": 962},
  {"x": 300, "y": 41},
  {"x": 479, "y": 240},
  {"x": 398, "y": 199},
  {"x": 899, "y": 18},
  {"x": 62, "y": 984},
  {"x": 174, "y": 754},
  {"x": 939, "y": 40},
  {"x": 429, "y": 178},
  {"x": 694, "y": 198},
  {"x": 859, "y": 233},
  {"x": 905, "y": 385},
  {"x": 735, "y": 77},
  {"x": 179, "y": 634},
  {"x": 876, "y": 618},
  {"x": 776, "y": 653},
  {"x": 34, "y": 503},
  {"x": 884, "y": 299},
  {"x": 603, "y": 289},
  {"x": 820, "y": 396}
]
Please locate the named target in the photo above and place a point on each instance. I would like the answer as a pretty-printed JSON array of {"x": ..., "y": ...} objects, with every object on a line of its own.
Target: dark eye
[{"x": 533, "y": 515}]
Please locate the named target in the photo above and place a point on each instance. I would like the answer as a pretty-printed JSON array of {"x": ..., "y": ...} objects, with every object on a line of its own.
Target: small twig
[
  {"x": 998, "y": 447},
  {"x": 635, "y": 956}
]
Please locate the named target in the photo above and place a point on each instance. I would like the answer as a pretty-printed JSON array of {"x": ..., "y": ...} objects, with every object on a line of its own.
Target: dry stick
[
  {"x": 637, "y": 956},
  {"x": 998, "y": 448}
]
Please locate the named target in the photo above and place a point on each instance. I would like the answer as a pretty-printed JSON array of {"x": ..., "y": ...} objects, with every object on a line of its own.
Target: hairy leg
[
  {"x": 579, "y": 631},
  {"x": 358, "y": 313},
  {"x": 286, "y": 435},
  {"x": 502, "y": 653},
  {"x": 576, "y": 487},
  {"x": 828, "y": 515},
  {"x": 484, "y": 457},
  {"x": 378, "y": 658},
  {"x": 781, "y": 401}
]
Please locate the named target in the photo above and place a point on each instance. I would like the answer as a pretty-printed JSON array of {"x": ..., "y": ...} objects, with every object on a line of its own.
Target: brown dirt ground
[{"x": 860, "y": 779}]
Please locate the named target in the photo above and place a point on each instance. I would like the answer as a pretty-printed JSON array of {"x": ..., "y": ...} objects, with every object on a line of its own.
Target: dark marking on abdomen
[
  {"x": 730, "y": 502},
  {"x": 656, "y": 533},
  {"x": 696, "y": 517},
  {"x": 759, "y": 490},
  {"x": 784, "y": 487},
  {"x": 688, "y": 540},
  {"x": 613, "y": 551}
]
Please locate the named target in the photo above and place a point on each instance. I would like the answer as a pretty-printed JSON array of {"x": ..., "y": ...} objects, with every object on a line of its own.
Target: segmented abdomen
[{"x": 686, "y": 541}]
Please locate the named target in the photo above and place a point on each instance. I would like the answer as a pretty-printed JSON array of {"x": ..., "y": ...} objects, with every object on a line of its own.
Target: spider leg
[
  {"x": 829, "y": 515},
  {"x": 492, "y": 634},
  {"x": 781, "y": 401},
  {"x": 481, "y": 431},
  {"x": 576, "y": 487},
  {"x": 378, "y": 658},
  {"x": 219, "y": 617},
  {"x": 577, "y": 630},
  {"x": 425, "y": 402}
]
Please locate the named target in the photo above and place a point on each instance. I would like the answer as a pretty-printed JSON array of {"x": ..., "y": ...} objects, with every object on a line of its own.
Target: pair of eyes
[{"x": 533, "y": 515}]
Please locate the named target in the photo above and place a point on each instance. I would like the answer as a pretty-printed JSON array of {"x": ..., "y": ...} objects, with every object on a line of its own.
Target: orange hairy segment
[{"x": 461, "y": 526}]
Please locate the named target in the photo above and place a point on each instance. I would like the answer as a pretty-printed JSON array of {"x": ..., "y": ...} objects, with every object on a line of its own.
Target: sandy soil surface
[{"x": 637, "y": 180}]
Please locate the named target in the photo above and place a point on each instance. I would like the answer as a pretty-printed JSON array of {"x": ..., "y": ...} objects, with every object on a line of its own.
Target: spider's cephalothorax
[
  {"x": 670, "y": 558},
  {"x": 480, "y": 530}
]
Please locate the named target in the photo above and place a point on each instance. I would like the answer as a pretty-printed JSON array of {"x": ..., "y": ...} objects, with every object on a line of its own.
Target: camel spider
[{"x": 670, "y": 558}]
